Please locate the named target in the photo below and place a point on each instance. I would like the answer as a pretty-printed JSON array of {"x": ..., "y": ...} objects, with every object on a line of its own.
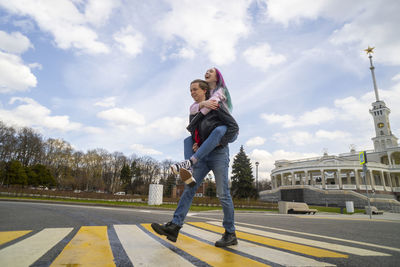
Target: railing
[
  {"x": 332, "y": 186},
  {"x": 396, "y": 189},
  {"x": 350, "y": 186},
  {"x": 363, "y": 187},
  {"x": 379, "y": 188}
]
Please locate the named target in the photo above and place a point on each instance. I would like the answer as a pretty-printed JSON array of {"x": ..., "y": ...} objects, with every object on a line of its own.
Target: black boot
[
  {"x": 170, "y": 230},
  {"x": 228, "y": 239}
]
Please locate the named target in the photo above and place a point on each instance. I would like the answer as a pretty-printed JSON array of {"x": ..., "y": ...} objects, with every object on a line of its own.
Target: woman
[{"x": 217, "y": 161}]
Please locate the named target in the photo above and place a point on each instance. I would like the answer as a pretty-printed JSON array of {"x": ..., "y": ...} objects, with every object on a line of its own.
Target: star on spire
[{"x": 369, "y": 50}]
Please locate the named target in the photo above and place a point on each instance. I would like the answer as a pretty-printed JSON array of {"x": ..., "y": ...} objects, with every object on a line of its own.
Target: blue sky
[{"x": 115, "y": 74}]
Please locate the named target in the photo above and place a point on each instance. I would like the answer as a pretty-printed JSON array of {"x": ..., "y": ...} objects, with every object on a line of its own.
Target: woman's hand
[
  {"x": 195, "y": 147},
  {"x": 211, "y": 104}
]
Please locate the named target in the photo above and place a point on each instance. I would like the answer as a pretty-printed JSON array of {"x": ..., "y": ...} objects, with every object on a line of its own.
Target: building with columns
[{"x": 342, "y": 176}]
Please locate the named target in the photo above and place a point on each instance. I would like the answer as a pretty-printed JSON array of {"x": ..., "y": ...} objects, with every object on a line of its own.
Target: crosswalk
[{"x": 141, "y": 246}]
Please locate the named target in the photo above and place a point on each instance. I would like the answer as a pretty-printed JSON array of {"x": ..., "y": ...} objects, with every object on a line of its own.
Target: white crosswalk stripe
[
  {"x": 27, "y": 251},
  {"x": 272, "y": 255},
  {"x": 325, "y": 245},
  {"x": 144, "y": 248}
]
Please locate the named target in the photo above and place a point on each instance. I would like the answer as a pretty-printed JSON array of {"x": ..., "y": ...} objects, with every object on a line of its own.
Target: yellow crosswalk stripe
[
  {"x": 89, "y": 247},
  {"x": 11, "y": 235},
  {"x": 307, "y": 250},
  {"x": 208, "y": 253}
]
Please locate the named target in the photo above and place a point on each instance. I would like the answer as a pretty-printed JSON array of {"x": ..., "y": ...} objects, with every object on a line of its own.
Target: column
[
  {"x": 348, "y": 178},
  {"x": 339, "y": 173},
  {"x": 306, "y": 178},
  {"x": 372, "y": 178},
  {"x": 276, "y": 181},
  {"x": 357, "y": 178},
  {"x": 390, "y": 180},
  {"x": 323, "y": 179},
  {"x": 383, "y": 180},
  {"x": 293, "y": 180},
  {"x": 301, "y": 179}
]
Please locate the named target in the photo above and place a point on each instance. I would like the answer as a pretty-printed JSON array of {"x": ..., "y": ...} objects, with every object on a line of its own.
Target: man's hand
[
  {"x": 211, "y": 104},
  {"x": 195, "y": 147}
]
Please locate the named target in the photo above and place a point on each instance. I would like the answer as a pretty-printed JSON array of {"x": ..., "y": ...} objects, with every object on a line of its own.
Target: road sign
[{"x": 363, "y": 157}]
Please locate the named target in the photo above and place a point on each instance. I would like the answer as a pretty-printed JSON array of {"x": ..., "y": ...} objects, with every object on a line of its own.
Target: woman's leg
[
  {"x": 210, "y": 143},
  {"x": 188, "y": 147}
]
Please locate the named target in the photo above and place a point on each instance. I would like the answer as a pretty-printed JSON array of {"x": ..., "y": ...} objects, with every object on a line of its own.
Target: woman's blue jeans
[
  {"x": 218, "y": 162},
  {"x": 212, "y": 141}
]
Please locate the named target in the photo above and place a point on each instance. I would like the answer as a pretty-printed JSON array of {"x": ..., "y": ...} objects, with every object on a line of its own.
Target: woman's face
[
  {"x": 197, "y": 93},
  {"x": 211, "y": 76}
]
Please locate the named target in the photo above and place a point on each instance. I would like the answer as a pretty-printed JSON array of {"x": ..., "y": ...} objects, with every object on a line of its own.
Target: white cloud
[
  {"x": 97, "y": 12},
  {"x": 14, "y": 75},
  {"x": 31, "y": 114},
  {"x": 267, "y": 159},
  {"x": 261, "y": 56},
  {"x": 255, "y": 141},
  {"x": 106, "y": 102},
  {"x": 130, "y": 41},
  {"x": 314, "y": 117},
  {"x": 396, "y": 77},
  {"x": 363, "y": 22},
  {"x": 185, "y": 53},
  {"x": 140, "y": 149},
  {"x": 332, "y": 135},
  {"x": 213, "y": 27},
  {"x": 15, "y": 42},
  {"x": 298, "y": 138},
  {"x": 174, "y": 127},
  {"x": 122, "y": 116},
  {"x": 286, "y": 11},
  {"x": 63, "y": 20}
]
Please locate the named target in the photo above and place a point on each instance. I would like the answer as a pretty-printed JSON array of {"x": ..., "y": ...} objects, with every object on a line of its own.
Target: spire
[{"x": 369, "y": 51}]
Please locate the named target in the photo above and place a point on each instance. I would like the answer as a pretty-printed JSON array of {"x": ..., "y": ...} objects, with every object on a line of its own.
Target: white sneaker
[{"x": 186, "y": 164}]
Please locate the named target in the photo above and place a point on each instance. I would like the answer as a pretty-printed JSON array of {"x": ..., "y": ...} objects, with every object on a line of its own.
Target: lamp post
[{"x": 257, "y": 163}]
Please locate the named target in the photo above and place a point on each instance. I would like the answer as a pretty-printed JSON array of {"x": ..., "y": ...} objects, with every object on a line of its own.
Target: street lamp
[{"x": 257, "y": 163}]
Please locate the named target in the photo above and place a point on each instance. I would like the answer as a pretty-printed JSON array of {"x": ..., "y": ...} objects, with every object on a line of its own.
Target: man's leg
[
  {"x": 219, "y": 163},
  {"x": 171, "y": 229},
  {"x": 199, "y": 172}
]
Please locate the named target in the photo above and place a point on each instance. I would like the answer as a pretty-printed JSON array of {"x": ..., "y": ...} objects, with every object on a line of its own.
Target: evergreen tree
[
  {"x": 15, "y": 173},
  {"x": 242, "y": 176}
]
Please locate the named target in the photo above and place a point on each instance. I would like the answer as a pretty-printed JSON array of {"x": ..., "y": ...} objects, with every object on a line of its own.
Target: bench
[
  {"x": 286, "y": 207},
  {"x": 374, "y": 210}
]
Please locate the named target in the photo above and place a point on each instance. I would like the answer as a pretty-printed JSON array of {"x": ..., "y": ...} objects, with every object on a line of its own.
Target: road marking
[
  {"x": 266, "y": 253},
  {"x": 306, "y": 250},
  {"x": 89, "y": 247},
  {"x": 325, "y": 245},
  {"x": 143, "y": 250},
  {"x": 27, "y": 251},
  {"x": 208, "y": 253},
  {"x": 322, "y": 236},
  {"x": 11, "y": 235},
  {"x": 350, "y": 219}
]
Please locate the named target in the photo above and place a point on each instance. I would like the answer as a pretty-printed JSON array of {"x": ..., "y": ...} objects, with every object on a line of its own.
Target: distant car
[
  {"x": 77, "y": 191},
  {"x": 120, "y": 194}
]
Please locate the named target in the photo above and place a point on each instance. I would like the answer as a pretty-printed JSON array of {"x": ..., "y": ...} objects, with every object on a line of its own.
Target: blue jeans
[
  {"x": 218, "y": 162},
  {"x": 212, "y": 141}
]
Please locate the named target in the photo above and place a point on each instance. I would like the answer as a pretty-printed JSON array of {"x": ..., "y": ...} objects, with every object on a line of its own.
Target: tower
[{"x": 384, "y": 138}]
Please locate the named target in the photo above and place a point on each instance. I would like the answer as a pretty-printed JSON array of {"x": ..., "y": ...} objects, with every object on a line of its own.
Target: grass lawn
[{"x": 166, "y": 206}]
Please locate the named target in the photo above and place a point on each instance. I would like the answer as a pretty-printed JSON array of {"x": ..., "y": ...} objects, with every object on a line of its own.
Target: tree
[
  {"x": 15, "y": 174},
  {"x": 242, "y": 176},
  {"x": 126, "y": 177}
]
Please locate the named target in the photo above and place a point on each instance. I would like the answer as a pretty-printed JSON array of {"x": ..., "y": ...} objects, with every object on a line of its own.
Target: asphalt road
[{"x": 377, "y": 235}]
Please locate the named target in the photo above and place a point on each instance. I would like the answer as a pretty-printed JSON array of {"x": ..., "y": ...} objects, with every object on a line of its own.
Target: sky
[{"x": 115, "y": 74}]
